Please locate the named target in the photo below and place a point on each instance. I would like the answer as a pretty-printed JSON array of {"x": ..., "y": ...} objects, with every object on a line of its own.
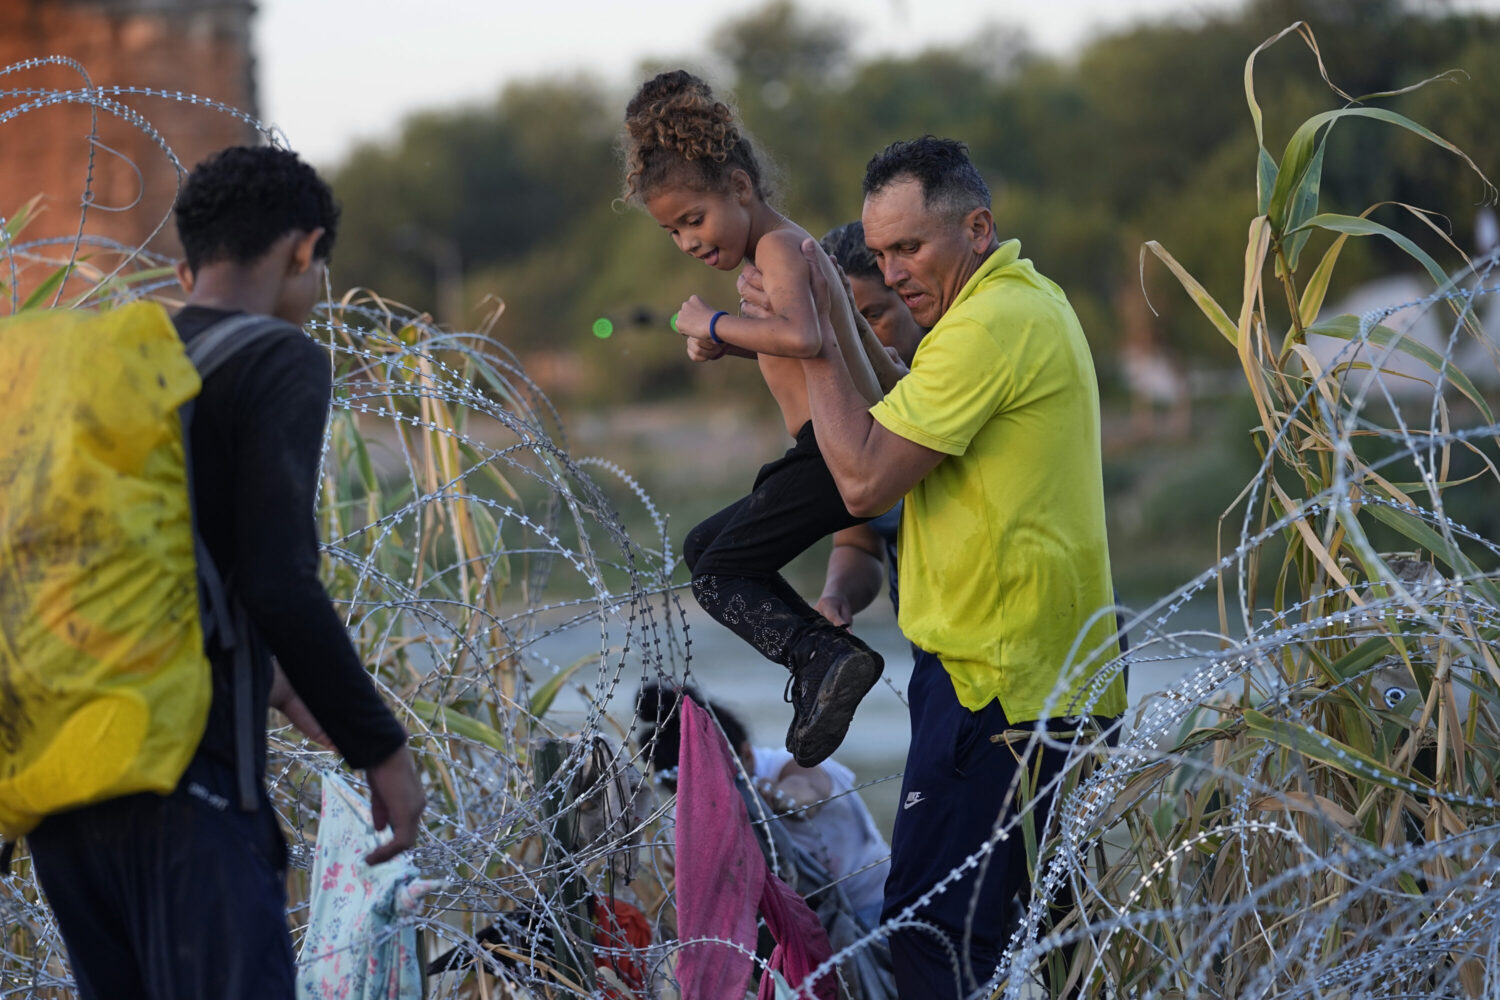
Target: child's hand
[
  {"x": 693, "y": 319},
  {"x": 703, "y": 350},
  {"x": 779, "y": 801},
  {"x": 797, "y": 793}
]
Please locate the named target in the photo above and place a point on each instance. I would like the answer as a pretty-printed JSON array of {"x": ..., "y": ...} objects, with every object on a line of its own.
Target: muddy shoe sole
[{"x": 843, "y": 688}]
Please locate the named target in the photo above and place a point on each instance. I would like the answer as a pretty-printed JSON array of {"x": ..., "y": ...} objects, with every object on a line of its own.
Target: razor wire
[{"x": 463, "y": 539}]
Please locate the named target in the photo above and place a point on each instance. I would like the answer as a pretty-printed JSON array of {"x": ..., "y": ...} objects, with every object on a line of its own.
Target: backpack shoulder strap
[
  {"x": 229, "y": 336},
  {"x": 208, "y": 351},
  {"x": 225, "y": 618}
]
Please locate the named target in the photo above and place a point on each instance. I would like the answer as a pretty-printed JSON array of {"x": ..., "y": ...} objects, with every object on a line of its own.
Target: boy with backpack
[{"x": 183, "y": 895}]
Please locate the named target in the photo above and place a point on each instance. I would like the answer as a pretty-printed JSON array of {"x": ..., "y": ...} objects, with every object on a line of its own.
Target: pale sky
[{"x": 335, "y": 71}]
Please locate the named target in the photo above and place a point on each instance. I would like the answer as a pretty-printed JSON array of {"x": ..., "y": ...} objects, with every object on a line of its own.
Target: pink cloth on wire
[{"x": 722, "y": 879}]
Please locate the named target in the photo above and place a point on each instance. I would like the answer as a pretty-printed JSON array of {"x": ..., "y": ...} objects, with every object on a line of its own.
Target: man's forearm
[
  {"x": 854, "y": 577},
  {"x": 841, "y": 419},
  {"x": 872, "y": 467}
]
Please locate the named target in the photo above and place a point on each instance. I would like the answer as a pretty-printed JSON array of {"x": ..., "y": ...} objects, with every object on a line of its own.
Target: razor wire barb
[{"x": 1306, "y": 809}]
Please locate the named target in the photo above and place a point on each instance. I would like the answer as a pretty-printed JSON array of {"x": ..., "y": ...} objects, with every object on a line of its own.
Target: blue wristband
[{"x": 712, "y": 324}]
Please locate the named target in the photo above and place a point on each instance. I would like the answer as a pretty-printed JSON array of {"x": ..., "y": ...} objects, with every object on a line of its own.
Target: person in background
[
  {"x": 824, "y": 815},
  {"x": 183, "y": 896}
]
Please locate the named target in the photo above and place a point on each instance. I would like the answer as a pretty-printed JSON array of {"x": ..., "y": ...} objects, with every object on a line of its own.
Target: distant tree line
[{"x": 1143, "y": 134}]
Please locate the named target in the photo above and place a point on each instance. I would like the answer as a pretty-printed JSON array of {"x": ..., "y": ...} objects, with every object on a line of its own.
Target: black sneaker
[{"x": 832, "y": 671}]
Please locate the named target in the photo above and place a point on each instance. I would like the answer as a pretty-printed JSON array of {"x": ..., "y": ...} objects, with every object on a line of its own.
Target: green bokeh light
[{"x": 603, "y": 327}]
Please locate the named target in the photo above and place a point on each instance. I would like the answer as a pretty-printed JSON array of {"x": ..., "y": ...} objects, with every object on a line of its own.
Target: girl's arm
[
  {"x": 791, "y": 331},
  {"x": 707, "y": 350}
]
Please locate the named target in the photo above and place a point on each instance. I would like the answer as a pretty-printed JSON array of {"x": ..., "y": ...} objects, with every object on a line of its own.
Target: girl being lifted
[{"x": 691, "y": 167}]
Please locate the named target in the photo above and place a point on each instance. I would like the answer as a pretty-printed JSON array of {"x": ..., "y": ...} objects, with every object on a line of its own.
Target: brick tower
[{"x": 195, "y": 46}]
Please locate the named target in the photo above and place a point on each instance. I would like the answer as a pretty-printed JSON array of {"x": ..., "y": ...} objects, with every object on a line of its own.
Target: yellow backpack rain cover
[{"x": 104, "y": 685}]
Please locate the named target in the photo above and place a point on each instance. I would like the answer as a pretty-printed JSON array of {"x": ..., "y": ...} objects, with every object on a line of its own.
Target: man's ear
[
  {"x": 979, "y": 228},
  {"x": 185, "y": 276},
  {"x": 302, "y": 251}
]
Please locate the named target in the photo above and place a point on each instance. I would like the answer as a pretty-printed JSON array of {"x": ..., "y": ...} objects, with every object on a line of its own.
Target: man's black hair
[
  {"x": 241, "y": 200},
  {"x": 659, "y": 706},
  {"x": 846, "y": 244},
  {"x": 950, "y": 182}
]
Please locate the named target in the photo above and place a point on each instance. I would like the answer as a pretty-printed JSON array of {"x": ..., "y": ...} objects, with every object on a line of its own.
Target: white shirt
[{"x": 842, "y": 834}]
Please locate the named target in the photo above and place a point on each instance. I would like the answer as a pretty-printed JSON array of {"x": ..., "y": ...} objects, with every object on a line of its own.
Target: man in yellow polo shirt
[{"x": 993, "y": 441}]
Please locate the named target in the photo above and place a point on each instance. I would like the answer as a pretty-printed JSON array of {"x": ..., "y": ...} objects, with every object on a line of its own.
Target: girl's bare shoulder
[{"x": 781, "y": 249}]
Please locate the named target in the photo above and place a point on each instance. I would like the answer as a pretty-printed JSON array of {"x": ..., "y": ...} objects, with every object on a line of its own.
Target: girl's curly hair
[{"x": 677, "y": 131}]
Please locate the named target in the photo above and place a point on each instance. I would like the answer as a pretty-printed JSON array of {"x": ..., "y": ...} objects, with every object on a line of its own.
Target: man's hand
[
  {"x": 285, "y": 700},
  {"x": 820, "y": 294},
  {"x": 754, "y": 302},
  {"x": 856, "y": 572},
  {"x": 873, "y": 467},
  {"x": 396, "y": 801},
  {"x": 862, "y": 325},
  {"x": 811, "y": 251},
  {"x": 836, "y": 608}
]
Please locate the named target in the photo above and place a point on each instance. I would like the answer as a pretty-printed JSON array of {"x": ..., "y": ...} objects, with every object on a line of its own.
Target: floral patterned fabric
[{"x": 358, "y": 947}]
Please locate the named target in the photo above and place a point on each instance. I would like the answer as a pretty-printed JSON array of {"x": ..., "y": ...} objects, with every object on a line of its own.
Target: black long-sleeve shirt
[{"x": 255, "y": 440}]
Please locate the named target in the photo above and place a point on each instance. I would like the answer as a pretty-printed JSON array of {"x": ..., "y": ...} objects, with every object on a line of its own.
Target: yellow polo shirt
[{"x": 1003, "y": 554}]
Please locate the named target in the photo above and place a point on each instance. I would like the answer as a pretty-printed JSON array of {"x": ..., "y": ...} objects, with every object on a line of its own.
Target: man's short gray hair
[{"x": 950, "y": 182}]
